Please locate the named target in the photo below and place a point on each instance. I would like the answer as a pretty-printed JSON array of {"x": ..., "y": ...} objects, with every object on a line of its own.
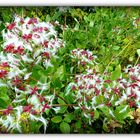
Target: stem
[
  {"x": 137, "y": 60},
  {"x": 113, "y": 58},
  {"x": 99, "y": 33},
  {"x": 64, "y": 105},
  {"x": 61, "y": 98},
  {"x": 65, "y": 19}
]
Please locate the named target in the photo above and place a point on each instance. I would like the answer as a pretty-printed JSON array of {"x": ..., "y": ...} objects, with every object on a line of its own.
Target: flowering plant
[
  {"x": 46, "y": 86},
  {"x": 28, "y": 44}
]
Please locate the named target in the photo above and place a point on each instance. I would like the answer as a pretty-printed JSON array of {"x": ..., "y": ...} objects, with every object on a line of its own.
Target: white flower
[
  {"x": 25, "y": 58},
  {"x": 34, "y": 101},
  {"x": 15, "y": 72},
  {"x": 27, "y": 76},
  {"x": 47, "y": 64},
  {"x": 44, "y": 121}
]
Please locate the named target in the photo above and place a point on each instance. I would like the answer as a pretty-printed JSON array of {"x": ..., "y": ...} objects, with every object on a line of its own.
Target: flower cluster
[
  {"x": 27, "y": 43},
  {"x": 84, "y": 57},
  {"x": 93, "y": 90}
]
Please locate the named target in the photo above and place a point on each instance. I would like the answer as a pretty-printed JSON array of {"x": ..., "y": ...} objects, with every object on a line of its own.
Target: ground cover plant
[{"x": 69, "y": 70}]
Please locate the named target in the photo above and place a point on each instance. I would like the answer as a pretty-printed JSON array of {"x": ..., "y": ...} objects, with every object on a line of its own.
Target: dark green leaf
[
  {"x": 56, "y": 119},
  {"x": 64, "y": 127}
]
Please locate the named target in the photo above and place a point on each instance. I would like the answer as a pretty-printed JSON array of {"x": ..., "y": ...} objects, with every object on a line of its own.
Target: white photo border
[{"x": 69, "y": 3}]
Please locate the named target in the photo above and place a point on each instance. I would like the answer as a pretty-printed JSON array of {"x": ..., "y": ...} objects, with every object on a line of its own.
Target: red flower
[
  {"x": 41, "y": 98},
  {"x": 8, "y": 110},
  {"x": 132, "y": 104},
  {"x": 3, "y": 73},
  {"x": 45, "y": 106},
  {"x": 92, "y": 114},
  {"x": 132, "y": 95},
  {"x": 32, "y": 21},
  {"x": 108, "y": 81},
  {"x": 81, "y": 87},
  {"x": 21, "y": 21},
  {"x": 97, "y": 91},
  {"x": 108, "y": 104},
  {"x": 19, "y": 50},
  {"x": 91, "y": 86},
  {"x": 117, "y": 91},
  {"x": 91, "y": 57},
  {"x": 133, "y": 78},
  {"x": 17, "y": 81},
  {"x": 98, "y": 81},
  {"x": 90, "y": 76},
  {"x": 133, "y": 85},
  {"x": 46, "y": 44},
  {"x": 11, "y": 26},
  {"x": 45, "y": 29},
  {"x": 5, "y": 64},
  {"x": 47, "y": 55},
  {"x": 73, "y": 88},
  {"x": 84, "y": 53},
  {"x": 34, "y": 112},
  {"x": 27, "y": 108},
  {"x": 40, "y": 30},
  {"x": 27, "y": 37},
  {"x": 131, "y": 70},
  {"x": 34, "y": 90},
  {"x": 21, "y": 87},
  {"x": 83, "y": 63},
  {"x": 9, "y": 48}
]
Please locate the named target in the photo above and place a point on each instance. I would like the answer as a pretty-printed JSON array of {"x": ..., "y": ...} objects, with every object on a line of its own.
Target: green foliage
[
  {"x": 116, "y": 73},
  {"x": 65, "y": 127},
  {"x": 56, "y": 119},
  {"x": 110, "y": 34}
]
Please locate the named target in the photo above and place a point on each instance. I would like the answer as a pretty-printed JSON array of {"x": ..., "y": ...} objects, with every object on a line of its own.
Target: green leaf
[
  {"x": 4, "y": 94},
  {"x": 2, "y": 26},
  {"x": 59, "y": 73},
  {"x": 96, "y": 114},
  {"x": 69, "y": 117},
  {"x": 56, "y": 83},
  {"x": 69, "y": 98},
  {"x": 99, "y": 99},
  {"x": 138, "y": 52},
  {"x": 3, "y": 104},
  {"x": 105, "y": 127},
  {"x": 34, "y": 126},
  {"x": 47, "y": 111},
  {"x": 116, "y": 48},
  {"x": 64, "y": 127},
  {"x": 117, "y": 73},
  {"x": 78, "y": 124},
  {"x": 91, "y": 24},
  {"x": 105, "y": 110},
  {"x": 62, "y": 109},
  {"x": 60, "y": 101},
  {"x": 76, "y": 26},
  {"x": 56, "y": 119},
  {"x": 121, "y": 112}
]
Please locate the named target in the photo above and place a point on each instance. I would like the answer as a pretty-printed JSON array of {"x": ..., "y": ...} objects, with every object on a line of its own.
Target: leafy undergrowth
[{"x": 69, "y": 70}]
